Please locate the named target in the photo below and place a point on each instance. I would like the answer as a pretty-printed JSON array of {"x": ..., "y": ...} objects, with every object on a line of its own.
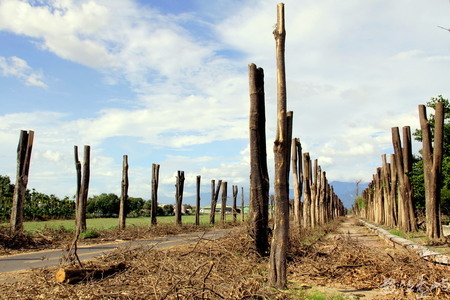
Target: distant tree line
[
  {"x": 40, "y": 206},
  {"x": 37, "y": 206}
]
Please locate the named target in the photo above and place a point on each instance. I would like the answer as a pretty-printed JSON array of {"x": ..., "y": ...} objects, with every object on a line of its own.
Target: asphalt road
[{"x": 48, "y": 258}]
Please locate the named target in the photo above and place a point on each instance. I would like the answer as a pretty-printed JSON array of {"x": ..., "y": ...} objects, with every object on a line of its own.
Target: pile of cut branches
[
  {"x": 222, "y": 269},
  {"x": 347, "y": 262}
]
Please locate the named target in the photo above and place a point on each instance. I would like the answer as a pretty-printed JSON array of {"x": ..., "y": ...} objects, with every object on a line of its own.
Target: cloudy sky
[{"x": 165, "y": 81}]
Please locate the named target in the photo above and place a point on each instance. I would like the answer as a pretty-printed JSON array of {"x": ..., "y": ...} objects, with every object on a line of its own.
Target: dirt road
[{"x": 357, "y": 262}]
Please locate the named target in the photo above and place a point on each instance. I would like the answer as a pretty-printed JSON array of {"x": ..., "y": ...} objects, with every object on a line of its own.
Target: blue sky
[{"x": 166, "y": 82}]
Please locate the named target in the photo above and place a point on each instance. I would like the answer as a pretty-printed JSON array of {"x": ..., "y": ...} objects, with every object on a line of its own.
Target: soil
[
  {"x": 356, "y": 262},
  {"x": 350, "y": 260}
]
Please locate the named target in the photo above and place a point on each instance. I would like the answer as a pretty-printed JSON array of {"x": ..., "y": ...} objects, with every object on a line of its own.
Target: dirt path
[{"x": 356, "y": 262}]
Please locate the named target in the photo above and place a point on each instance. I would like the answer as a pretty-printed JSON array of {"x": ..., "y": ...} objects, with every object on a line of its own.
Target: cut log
[{"x": 73, "y": 275}]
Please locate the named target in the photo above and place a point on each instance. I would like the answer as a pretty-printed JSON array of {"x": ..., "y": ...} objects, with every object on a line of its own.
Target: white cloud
[
  {"x": 355, "y": 69},
  {"x": 16, "y": 67}
]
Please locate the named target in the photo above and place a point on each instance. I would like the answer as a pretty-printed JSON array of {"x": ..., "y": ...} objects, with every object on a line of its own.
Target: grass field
[{"x": 111, "y": 223}]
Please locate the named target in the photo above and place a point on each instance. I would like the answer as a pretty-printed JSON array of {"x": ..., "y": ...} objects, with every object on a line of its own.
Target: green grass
[
  {"x": 112, "y": 223},
  {"x": 315, "y": 293},
  {"x": 398, "y": 232}
]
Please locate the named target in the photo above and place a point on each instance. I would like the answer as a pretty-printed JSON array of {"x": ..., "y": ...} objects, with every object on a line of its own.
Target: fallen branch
[{"x": 74, "y": 275}]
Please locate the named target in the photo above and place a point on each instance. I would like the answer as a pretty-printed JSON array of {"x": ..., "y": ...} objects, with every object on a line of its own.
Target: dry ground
[{"x": 351, "y": 260}]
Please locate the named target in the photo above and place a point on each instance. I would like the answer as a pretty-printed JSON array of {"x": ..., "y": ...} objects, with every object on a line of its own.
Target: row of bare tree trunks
[
  {"x": 389, "y": 197},
  {"x": 388, "y": 200},
  {"x": 24, "y": 150},
  {"x": 320, "y": 204}
]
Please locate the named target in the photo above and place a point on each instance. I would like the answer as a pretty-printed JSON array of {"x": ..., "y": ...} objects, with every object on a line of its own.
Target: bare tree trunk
[
  {"x": 307, "y": 192},
  {"x": 405, "y": 188},
  {"x": 197, "y": 202},
  {"x": 277, "y": 267},
  {"x": 235, "y": 193},
  {"x": 407, "y": 158},
  {"x": 214, "y": 197},
  {"x": 289, "y": 124},
  {"x": 83, "y": 176},
  {"x": 23, "y": 166},
  {"x": 314, "y": 192},
  {"x": 394, "y": 187},
  {"x": 322, "y": 197},
  {"x": 155, "y": 183},
  {"x": 123, "y": 194},
  {"x": 297, "y": 175},
  {"x": 78, "y": 190},
  {"x": 387, "y": 186},
  {"x": 432, "y": 166},
  {"x": 259, "y": 176},
  {"x": 179, "y": 197},
  {"x": 242, "y": 205},
  {"x": 223, "y": 211}
]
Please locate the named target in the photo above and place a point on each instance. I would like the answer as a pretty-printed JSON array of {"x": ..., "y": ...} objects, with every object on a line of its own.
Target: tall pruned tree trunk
[
  {"x": 214, "y": 197},
  {"x": 83, "y": 176},
  {"x": 394, "y": 188},
  {"x": 407, "y": 158},
  {"x": 297, "y": 175},
  {"x": 234, "y": 207},
  {"x": 197, "y": 202},
  {"x": 307, "y": 192},
  {"x": 387, "y": 194},
  {"x": 223, "y": 210},
  {"x": 242, "y": 205},
  {"x": 278, "y": 251},
  {"x": 432, "y": 167},
  {"x": 289, "y": 124},
  {"x": 154, "y": 204},
  {"x": 259, "y": 175},
  {"x": 314, "y": 189},
  {"x": 179, "y": 197},
  {"x": 123, "y": 194},
  {"x": 405, "y": 187},
  {"x": 23, "y": 167}
]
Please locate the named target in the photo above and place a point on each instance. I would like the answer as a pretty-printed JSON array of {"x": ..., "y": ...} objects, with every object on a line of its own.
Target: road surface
[{"x": 46, "y": 258}]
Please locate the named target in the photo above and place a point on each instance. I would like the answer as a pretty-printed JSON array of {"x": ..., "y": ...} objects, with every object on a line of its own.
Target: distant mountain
[{"x": 347, "y": 191}]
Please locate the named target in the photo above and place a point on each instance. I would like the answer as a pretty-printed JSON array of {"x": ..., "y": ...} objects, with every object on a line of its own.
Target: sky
[{"x": 166, "y": 81}]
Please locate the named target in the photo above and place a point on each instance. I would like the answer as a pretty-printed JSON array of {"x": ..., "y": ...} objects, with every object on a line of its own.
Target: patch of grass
[
  {"x": 315, "y": 293},
  {"x": 90, "y": 234},
  {"x": 112, "y": 223},
  {"x": 398, "y": 232}
]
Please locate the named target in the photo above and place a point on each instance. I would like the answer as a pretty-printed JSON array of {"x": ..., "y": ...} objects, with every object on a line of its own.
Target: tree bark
[
  {"x": 223, "y": 211},
  {"x": 307, "y": 192},
  {"x": 259, "y": 175},
  {"x": 74, "y": 275},
  {"x": 394, "y": 187},
  {"x": 179, "y": 197},
  {"x": 314, "y": 192},
  {"x": 405, "y": 187},
  {"x": 197, "y": 202},
  {"x": 23, "y": 166},
  {"x": 297, "y": 175},
  {"x": 123, "y": 194},
  {"x": 214, "y": 197},
  {"x": 432, "y": 166},
  {"x": 407, "y": 157},
  {"x": 278, "y": 252},
  {"x": 83, "y": 176},
  {"x": 235, "y": 193},
  {"x": 242, "y": 205},
  {"x": 155, "y": 183}
]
